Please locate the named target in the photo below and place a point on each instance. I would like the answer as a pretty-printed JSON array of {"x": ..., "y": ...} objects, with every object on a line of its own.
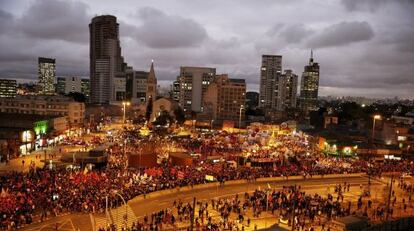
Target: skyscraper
[
  {"x": 270, "y": 72},
  {"x": 151, "y": 84},
  {"x": 193, "y": 84},
  {"x": 309, "y": 86},
  {"x": 47, "y": 73},
  {"x": 289, "y": 89},
  {"x": 105, "y": 59}
]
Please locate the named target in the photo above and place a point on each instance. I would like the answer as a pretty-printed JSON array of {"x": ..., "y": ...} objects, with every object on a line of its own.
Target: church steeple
[
  {"x": 151, "y": 84},
  {"x": 151, "y": 74}
]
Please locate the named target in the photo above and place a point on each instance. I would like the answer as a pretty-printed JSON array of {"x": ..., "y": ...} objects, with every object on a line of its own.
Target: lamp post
[
  {"x": 375, "y": 117},
  {"x": 240, "y": 115},
  {"x": 124, "y": 104}
]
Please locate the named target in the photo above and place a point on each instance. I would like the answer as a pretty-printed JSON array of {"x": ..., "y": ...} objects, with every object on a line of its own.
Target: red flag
[{"x": 180, "y": 175}]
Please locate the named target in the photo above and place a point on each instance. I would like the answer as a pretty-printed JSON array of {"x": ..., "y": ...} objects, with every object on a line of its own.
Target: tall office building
[
  {"x": 151, "y": 84},
  {"x": 270, "y": 72},
  {"x": 225, "y": 99},
  {"x": 8, "y": 88},
  {"x": 309, "y": 86},
  {"x": 289, "y": 89},
  {"x": 47, "y": 73},
  {"x": 193, "y": 84},
  {"x": 106, "y": 61}
]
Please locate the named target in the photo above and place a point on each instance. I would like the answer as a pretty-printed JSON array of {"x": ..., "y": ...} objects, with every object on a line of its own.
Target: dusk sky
[{"x": 364, "y": 47}]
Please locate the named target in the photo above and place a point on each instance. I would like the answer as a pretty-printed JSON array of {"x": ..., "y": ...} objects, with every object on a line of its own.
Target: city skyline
[{"x": 361, "y": 51}]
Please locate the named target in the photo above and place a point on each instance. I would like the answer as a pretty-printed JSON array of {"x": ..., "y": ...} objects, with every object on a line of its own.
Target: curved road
[{"x": 154, "y": 202}]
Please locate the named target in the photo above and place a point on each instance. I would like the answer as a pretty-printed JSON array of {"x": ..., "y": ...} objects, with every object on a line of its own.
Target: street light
[
  {"x": 240, "y": 114},
  {"x": 124, "y": 104},
  {"x": 375, "y": 117}
]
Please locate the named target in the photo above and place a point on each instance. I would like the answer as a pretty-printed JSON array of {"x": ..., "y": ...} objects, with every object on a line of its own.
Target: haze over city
[{"x": 364, "y": 47}]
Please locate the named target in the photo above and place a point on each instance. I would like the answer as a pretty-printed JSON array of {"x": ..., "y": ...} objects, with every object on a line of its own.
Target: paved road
[
  {"x": 147, "y": 206},
  {"x": 156, "y": 201}
]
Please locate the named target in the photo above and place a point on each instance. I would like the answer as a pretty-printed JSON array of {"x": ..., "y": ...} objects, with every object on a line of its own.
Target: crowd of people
[{"x": 47, "y": 192}]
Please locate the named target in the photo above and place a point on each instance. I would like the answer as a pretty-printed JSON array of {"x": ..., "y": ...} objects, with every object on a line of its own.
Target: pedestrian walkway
[
  {"x": 35, "y": 158},
  {"x": 122, "y": 216}
]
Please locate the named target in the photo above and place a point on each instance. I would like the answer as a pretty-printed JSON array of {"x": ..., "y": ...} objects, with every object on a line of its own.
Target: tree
[
  {"x": 148, "y": 112},
  {"x": 163, "y": 118},
  {"x": 179, "y": 115}
]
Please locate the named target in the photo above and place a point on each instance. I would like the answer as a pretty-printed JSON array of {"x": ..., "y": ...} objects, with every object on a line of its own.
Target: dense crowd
[{"x": 44, "y": 192}]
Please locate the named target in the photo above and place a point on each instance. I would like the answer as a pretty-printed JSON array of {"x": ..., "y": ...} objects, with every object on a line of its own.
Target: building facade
[
  {"x": 309, "y": 86},
  {"x": 289, "y": 89},
  {"x": 106, "y": 61},
  {"x": 193, "y": 84},
  {"x": 47, "y": 75},
  {"x": 139, "y": 90},
  {"x": 8, "y": 88},
  {"x": 175, "y": 90},
  {"x": 225, "y": 99},
  {"x": 68, "y": 84},
  {"x": 45, "y": 105},
  {"x": 85, "y": 87},
  {"x": 270, "y": 87},
  {"x": 252, "y": 100}
]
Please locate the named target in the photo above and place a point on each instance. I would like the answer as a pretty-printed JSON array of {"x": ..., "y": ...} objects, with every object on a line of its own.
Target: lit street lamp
[
  {"x": 375, "y": 117},
  {"x": 240, "y": 114},
  {"x": 124, "y": 104}
]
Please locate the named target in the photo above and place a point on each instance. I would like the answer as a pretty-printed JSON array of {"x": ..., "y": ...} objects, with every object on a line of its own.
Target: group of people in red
[{"x": 39, "y": 193}]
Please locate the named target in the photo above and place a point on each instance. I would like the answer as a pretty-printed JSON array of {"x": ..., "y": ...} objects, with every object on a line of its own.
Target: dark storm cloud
[
  {"x": 54, "y": 19},
  {"x": 361, "y": 5},
  {"x": 341, "y": 34},
  {"x": 159, "y": 30},
  {"x": 295, "y": 33},
  {"x": 231, "y": 37},
  {"x": 6, "y": 19}
]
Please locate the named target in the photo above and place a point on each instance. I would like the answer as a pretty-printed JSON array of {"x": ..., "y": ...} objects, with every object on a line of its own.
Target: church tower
[{"x": 151, "y": 84}]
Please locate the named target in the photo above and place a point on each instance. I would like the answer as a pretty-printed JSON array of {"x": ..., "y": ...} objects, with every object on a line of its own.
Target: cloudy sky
[{"x": 364, "y": 47}]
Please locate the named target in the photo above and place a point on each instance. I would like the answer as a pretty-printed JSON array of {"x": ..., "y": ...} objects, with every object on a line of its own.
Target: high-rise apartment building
[
  {"x": 47, "y": 73},
  {"x": 8, "y": 88},
  {"x": 193, "y": 84},
  {"x": 225, "y": 99},
  {"x": 106, "y": 61},
  {"x": 309, "y": 86},
  {"x": 270, "y": 87},
  {"x": 289, "y": 89}
]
